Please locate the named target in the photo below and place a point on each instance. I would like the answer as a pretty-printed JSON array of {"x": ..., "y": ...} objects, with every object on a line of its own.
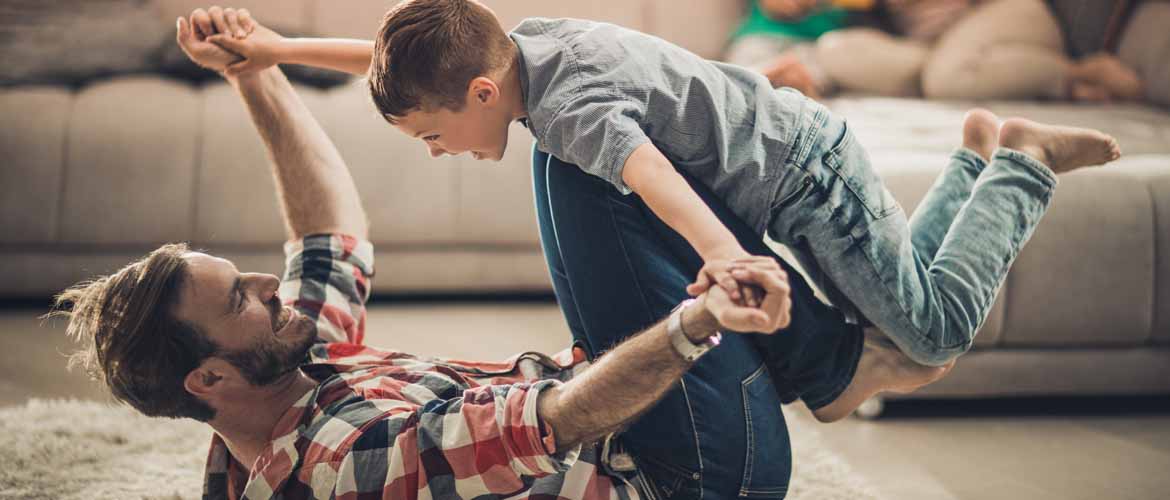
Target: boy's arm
[
  {"x": 650, "y": 174},
  {"x": 341, "y": 54},
  {"x": 262, "y": 48}
]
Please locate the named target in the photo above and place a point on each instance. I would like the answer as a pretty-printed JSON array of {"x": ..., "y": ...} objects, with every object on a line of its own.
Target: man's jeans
[
  {"x": 617, "y": 269},
  {"x": 927, "y": 282}
]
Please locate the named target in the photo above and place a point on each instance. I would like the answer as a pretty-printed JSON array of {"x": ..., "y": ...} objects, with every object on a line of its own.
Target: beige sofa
[{"x": 94, "y": 177}]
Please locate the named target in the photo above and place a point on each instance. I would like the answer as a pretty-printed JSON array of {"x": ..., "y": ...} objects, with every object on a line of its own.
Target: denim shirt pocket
[
  {"x": 768, "y": 458},
  {"x": 850, "y": 163}
]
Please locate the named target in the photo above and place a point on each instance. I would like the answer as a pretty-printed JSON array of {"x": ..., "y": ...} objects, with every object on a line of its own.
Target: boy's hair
[
  {"x": 428, "y": 51},
  {"x": 131, "y": 338}
]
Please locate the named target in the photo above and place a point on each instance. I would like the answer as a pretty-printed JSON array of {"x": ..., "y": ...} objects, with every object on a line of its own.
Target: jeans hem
[
  {"x": 971, "y": 158},
  {"x": 841, "y": 384},
  {"x": 1041, "y": 171}
]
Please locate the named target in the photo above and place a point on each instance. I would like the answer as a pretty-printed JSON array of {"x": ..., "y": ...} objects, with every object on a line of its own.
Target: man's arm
[
  {"x": 316, "y": 191},
  {"x": 632, "y": 377}
]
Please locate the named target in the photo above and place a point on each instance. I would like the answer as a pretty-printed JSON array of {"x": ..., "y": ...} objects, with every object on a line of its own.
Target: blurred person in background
[{"x": 948, "y": 49}]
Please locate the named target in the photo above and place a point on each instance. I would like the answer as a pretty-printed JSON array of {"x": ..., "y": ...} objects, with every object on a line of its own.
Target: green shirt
[{"x": 822, "y": 20}]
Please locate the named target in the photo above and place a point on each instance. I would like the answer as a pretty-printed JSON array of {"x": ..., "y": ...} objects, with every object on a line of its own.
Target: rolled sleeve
[
  {"x": 527, "y": 442},
  {"x": 327, "y": 277},
  {"x": 597, "y": 131}
]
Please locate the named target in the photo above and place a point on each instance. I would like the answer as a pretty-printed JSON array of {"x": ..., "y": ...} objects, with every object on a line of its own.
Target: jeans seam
[
  {"x": 749, "y": 461},
  {"x": 820, "y": 116},
  {"x": 626, "y": 255},
  {"x": 695, "y": 433},
  {"x": 560, "y": 253},
  {"x": 646, "y": 307}
]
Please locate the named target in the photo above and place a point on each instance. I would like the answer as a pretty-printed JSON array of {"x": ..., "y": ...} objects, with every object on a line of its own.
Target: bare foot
[
  {"x": 981, "y": 132},
  {"x": 1109, "y": 72},
  {"x": 788, "y": 70},
  {"x": 882, "y": 367},
  {"x": 1062, "y": 149},
  {"x": 1088, "y": 92}
]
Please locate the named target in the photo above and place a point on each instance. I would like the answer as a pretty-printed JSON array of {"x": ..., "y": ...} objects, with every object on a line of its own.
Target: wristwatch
[{"x": 690, "y": 351}]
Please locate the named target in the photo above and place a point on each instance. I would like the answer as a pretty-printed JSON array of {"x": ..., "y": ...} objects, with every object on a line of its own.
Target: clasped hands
[
  {"x": 228, "y": 41},
  {"x": 745, "y": 294}
]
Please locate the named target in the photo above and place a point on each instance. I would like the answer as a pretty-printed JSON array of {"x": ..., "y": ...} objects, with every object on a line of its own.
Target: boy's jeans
[
  {"x": 929, "y": 282},
  {"x": 617, "y": 269}
]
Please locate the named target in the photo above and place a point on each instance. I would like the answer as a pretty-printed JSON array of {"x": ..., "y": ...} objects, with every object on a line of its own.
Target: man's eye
[{"x": 240, "y": 302}]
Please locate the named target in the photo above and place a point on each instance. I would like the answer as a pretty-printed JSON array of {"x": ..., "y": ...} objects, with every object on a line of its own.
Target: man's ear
[
  {"x": 205, "y": 379},
  {"x": 483, "y": 90}
]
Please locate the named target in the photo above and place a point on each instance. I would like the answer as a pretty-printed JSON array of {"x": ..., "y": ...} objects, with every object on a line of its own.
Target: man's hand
[
  {"x": 194, "y": 43},
  {"x": 773, "y": 312},
  {"x": 787, "y": 10}
]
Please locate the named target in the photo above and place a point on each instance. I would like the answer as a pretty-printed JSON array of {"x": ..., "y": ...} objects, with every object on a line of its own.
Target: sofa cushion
[
  {"x": 32, "y": 146},
  {"x": 1145, "y": 46},
  {"x": 130, "y": 163}
]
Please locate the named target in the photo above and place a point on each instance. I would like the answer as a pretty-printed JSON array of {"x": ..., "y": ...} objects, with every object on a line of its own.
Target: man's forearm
[
  {"x": 340, "y": 54},
  {"x": 315, "y": 188},
  {"x": 622, "y": 384}
]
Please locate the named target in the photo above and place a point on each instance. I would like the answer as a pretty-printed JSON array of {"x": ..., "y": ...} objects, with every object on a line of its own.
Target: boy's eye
[{"x": 430, "y": 138}]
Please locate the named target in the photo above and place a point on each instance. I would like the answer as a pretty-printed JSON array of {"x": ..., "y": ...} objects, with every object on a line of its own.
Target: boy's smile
[{"x": 480, "y": 128}]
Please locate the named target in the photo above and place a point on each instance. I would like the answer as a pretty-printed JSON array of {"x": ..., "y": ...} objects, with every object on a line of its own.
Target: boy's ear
[{"x": 483, "y": 90}]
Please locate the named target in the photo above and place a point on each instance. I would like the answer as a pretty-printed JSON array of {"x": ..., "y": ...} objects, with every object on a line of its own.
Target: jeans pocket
[
  {"x": 668, "y": 480},
  {"x": 768, "y": 460},
  {"x": 850, "y": 163}
]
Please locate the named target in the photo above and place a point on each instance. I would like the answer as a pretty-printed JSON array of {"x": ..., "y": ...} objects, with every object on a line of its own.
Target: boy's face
[{"x": 480, "y": 128}]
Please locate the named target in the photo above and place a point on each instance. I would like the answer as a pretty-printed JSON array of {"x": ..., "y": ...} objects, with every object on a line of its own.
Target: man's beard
[{"x": 270, "y": 359}]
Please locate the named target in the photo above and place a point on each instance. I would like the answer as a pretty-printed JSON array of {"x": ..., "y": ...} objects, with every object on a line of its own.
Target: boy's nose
[{"x": 436, "y": 151}]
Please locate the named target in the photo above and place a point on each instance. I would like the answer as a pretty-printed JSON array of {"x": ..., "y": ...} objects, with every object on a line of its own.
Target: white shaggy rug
[{"x": 87, "y": 450}]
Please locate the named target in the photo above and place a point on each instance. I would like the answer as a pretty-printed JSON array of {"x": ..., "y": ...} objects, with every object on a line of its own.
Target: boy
[{"x": 631, "y": 108}]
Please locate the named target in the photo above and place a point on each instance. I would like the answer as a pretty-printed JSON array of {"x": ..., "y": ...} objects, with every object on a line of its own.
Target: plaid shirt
[{"x": 386, "y": 424}]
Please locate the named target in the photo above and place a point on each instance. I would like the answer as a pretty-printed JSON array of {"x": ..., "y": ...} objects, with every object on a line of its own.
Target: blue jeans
[
  {"x": 928, "y": 282},
  {"x": 617, "y": 269}
]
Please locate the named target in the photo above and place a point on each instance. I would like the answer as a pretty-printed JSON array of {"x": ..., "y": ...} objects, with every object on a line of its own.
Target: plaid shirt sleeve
[
  {"x": 488, "y": 442},
  {"x": 327, "y": 277}
]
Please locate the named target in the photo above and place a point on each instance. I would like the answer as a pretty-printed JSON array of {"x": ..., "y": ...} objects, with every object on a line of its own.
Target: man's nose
[{"x": 266, "y": 285}]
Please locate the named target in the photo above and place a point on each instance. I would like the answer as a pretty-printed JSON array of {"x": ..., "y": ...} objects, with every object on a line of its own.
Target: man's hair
[
  {"x": 131, "y": 338},
  {"x": 428, "y": 51}
]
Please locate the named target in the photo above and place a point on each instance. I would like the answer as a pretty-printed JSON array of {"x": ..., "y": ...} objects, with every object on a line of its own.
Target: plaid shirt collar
[{"x": 276, "y": 462}]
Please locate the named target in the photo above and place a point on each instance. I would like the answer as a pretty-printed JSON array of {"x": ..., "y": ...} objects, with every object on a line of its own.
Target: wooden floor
[{"x": 1004, "y": 449}]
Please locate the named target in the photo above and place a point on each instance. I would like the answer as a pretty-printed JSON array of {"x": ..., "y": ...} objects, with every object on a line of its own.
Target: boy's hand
[
  {"x": 259, "y": 46},
  {"x": 773, "y": 311},
  {"x": 717, "y": 270}
]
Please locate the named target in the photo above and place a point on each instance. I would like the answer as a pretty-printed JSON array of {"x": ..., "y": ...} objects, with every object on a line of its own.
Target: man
[{"x": 301, "y": 409}]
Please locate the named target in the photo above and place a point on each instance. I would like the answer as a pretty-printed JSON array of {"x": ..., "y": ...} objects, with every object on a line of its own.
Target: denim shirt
[{"x": 595, "y": 92}]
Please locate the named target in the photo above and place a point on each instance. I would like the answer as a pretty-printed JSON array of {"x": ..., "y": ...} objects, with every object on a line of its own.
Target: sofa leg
[{"x": 871, "y": 409}]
